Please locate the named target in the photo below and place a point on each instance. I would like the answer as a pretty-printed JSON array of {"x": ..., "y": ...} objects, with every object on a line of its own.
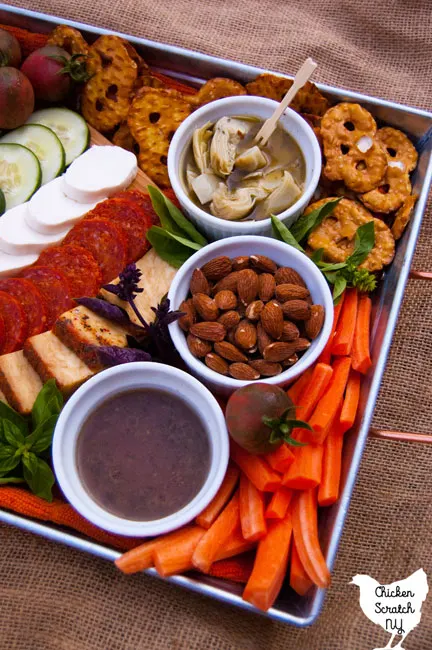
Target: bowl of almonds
[{"x": 254, "y": 309}]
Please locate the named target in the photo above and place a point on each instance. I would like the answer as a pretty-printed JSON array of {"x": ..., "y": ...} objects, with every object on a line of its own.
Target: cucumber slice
[
  {"x": 2, "y": 203},
  {"x": 70, "y": 127},
  {"x": 45, "y": 145},
  {"x": 20, "y": 173}
]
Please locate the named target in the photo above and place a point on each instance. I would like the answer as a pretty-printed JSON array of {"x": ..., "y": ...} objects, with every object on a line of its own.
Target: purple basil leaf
[
  {"x": 111, "y": 355},
  {"x": 105, "y": 309},
  {"x": 127, "y": 287}
]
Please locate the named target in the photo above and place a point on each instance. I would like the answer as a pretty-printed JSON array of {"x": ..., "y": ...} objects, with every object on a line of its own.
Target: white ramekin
[
  {"x": 111, "y": 382},
  {"x": 283, "y": 255},
  {"x": 292, "y": 122}
]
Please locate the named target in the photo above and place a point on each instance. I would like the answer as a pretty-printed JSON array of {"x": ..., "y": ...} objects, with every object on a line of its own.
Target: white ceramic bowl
[
  {"x": 112, "y": 382},
  {"x": 292, "y": 122},
  {"x": 283, "y": 255}
]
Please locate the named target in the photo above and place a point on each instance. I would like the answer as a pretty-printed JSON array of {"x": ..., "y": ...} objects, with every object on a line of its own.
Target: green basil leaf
[
  {"x": 38, "y": 475},
  {"x": 331, "y": 267},
  {"x": 338, "y": 288},
  {"x": 167, "y": 248},
  {"x": 308, "y": 222},
  {"x": 11, "y": 479},
  {"x": 181, "y": 240},
  {"x": 184, "y": 223},
  {"x": 8, "y": 413},
  {"x": 12, "y": 434},
  {"x": 8, "y": 459},
  {"x": 317, "y": 255},
  {"x": 48, "y": 402},
  {"x": 281, "y": 232},
  {"x": 162, "y": 211},
  {"x": 364, "y": 242},
  {"x": 41, "y": 438}
]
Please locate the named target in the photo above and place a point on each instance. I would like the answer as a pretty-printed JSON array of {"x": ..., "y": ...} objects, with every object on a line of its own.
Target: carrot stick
[
  {"x": 237, "y": 569},
  {"x": 278, "y": 506},
  {"x": 251, "y": 506},
  {"x": 176, "y": 556},
  {"x": 299, "y": 579},
  {"x": 217, "y": 536},
  {"x": 235, "y": 545},
  {"x": 360, "y": 352},
  {"x": 351, "y": 401},
  {"x": 270, "y": 565},
  {"x": 326, "y": 408},
  {"x": 305, "y": 472},
  {"x": 174, "y": 83},
  {"x": 305, "y": 528},
  {"x": 29, "y": 41},
  {"x": 256, "y": 469},
  {"x": 295, "y": 391},
  {"x": 209, "y": 514},
  {"x": 343, "y": 338},
  {"x": 321, "y": 376},
  {"x": 280, "y": 459},
  {"x": 325, "y": 355},
  {"x": 328, "y": 491}
]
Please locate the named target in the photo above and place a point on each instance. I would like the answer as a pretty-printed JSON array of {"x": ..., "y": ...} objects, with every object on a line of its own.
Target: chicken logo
[{"x": 396, "y": 607}]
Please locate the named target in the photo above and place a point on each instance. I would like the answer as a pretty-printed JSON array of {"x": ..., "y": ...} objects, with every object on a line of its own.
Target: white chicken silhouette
[{"x": 396, "y": 607}]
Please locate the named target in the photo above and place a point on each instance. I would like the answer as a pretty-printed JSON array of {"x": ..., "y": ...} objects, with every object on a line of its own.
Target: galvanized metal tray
[{"x": 195, "y": 68}]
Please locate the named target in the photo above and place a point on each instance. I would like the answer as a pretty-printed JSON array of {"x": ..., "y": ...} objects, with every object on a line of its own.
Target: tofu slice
[
  {"x": 81, "y": 331},
  {"x": 17, "y": 238},
  {"x": 19, "y": 382},
  {"x": 53, "y": 360},
  {"x": 156, "y": 279}
]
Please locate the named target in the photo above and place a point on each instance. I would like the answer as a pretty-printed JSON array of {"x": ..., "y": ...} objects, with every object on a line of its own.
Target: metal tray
[{"x": 196, "y": 68}]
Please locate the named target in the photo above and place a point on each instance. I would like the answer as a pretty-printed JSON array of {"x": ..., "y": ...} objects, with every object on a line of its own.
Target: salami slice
[
  {"x": 105, "y": 240},
  {"x": 77, "y": 264},
  {"x": 54, "y": 287},
  {"x": 15, "y": 323},
  {"x": 31, "y": 300}
]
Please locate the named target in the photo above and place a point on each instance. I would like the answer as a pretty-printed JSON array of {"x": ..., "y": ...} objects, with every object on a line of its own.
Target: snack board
[{"x": 386, "y": 307}]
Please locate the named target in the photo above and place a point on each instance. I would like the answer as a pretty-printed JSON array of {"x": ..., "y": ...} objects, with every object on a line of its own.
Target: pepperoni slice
[
  {"x": 2, "y": 332},
  {"x": 145, "y": 203},
  {"x": 105, "y": 240},
  {"x": 15, "y": 323},
  {"x": 131, "y": 218},
  {"x": 77, "y": 264},
  {"x": 31, "y": 301},
  {"x": 54, "y": 287}
]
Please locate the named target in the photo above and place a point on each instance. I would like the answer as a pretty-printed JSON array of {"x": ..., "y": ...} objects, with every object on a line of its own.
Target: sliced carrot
[
  {"x": 295, "y": 391},
  {"x": 251, "y": 505},
  {"x": 343, "y": 338},
  {"x": 328, "y": 492},
  {"x": 217, "y": 536},
  {"x": 256, "y": 469},
  {"x": 235, "y": 545},
  {"x": 321, "y": 376},
  {"x": 305, "y": 472},
  {"x": 325, "y": 355},
  {"x": 209, "y": 514},
  {"x": 174, "y": 83},
  {"x": 299, "y": 579},
  {"x": 305, "y": 528},
  {"x": 327, "y": 406},
  {"x": 270, "y": 565},
  {"x": 351, "y": 400},
  {"x": 176, "y": 557},
  {"x": 280, "y": 459},
  {"x": 237, "y": 569},
  {"x": 360, "y": 352},
  {"x": 278, "y": 506}
]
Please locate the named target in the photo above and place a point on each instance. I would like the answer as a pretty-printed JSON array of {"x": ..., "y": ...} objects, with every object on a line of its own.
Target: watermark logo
[{"x": 396, "y": 607}]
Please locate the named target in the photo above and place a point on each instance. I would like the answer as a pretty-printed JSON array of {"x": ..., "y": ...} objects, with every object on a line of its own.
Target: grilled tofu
[
  {"x": 19, "y": 382},
  {"x": 81, "y": 330},
  {"x": 53, "y": 360}
]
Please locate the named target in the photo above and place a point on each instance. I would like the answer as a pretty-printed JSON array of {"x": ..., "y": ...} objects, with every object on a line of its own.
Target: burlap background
[{"x": 55, "y": 598}]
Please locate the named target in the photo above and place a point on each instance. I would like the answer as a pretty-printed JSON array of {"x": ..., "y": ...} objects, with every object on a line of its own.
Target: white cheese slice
[
  {"x": 12, "y": 264},
  {"x": 50, "y": 211},
  {"x": 17, "y": 238},
  {"x": 99, "y": 172}
]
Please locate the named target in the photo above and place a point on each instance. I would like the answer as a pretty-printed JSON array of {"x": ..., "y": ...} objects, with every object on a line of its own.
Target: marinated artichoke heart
[
  {"x": 232, "y": 205},
  {"x": 228, "y": 132},
  {"x": 204, "y": 186},
  {"x": 285, "y": 194},
  {"x": 191, "y": 173},
  {"x": 251, "y": 160},
  {"x": 200, "y": 146}
]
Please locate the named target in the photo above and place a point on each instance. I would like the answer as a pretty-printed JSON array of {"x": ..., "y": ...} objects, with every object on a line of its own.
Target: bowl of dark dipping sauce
[{"x": 140, "y": 449}]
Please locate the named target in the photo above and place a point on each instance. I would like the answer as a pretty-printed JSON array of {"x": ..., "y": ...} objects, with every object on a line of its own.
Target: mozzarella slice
[
  {"x": 17, "y": 238},
  {"x": 12, "y": 264},
  {"x": 99, "y": 172},
  {"x": 51, "y": 212}
]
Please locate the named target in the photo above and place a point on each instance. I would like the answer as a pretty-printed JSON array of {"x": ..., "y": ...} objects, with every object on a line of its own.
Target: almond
[
  {"x": 209, "y": 331},
  {"x": 199, "y": 283},
  {"x": 243, "y": 371},
  {"x": 198, "y": 347},
  {"x": 189, "y": 317},
  {"x": 290, "y": 331},
  {"x": 288, "y": 291},
  {"x": 217, "y": 268},
  {"x": 247, "y": 286},
  {"x": 301, "y": 344},
  {"x": 230, "y": 337},
  {"x": 241, "y": 262},
  {"x": 272, "y": 319},
  {"x": 205, "y": 306},
  {"x": 226, "y": 300},
  {"x": 254, "y": 309},
  {"x": 266, "y": 286},
  {"x": 296, "y": 310},
  {"x": 229, "y": 319},
  {"x": 313, "y": 325},
  {"x": 278, "y": 351},
  {"x": 263, "y": 263},
  {"x": 266, "y": 368},
  {"x": 228, "y": 282},
  {"x": 245, "y": 335},
  {"x": 263, "y": 339},
  {"x": 287, "y": 363},
  {"x": 287, "y": 275},
  {"x": 216, "y": 363},
  {"x": 229, "y": 351}
]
